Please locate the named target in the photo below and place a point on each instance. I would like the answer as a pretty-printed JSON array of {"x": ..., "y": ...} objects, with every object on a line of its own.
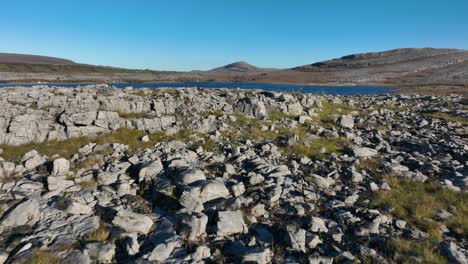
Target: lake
[{"x": 318, "y": 89}]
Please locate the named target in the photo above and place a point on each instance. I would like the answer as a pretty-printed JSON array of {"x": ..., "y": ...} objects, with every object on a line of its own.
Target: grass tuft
[
  {"x": 101, "y": 234},
  {"x": 89, "y": 162},
  {"x": 211, "y": 146},
  {"x": 88, "y": 185},
  {"x": 132, "y": 115},
  {"x": 330, "y": 110},
  {"x": 274, "y": 115},
  {"x": 42, "y": 256},
  {"x": 428, "y": 252}
]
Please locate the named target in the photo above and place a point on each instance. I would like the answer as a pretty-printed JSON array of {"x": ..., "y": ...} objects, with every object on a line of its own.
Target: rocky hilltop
[
  {"x": 239, "y": 67},
  {"x": 400, "y": 66},
  {"x": 103, "y": 175}
]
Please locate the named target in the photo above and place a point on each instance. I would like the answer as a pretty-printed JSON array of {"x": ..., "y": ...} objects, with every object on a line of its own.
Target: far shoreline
[{"x": 344, "y": 90}]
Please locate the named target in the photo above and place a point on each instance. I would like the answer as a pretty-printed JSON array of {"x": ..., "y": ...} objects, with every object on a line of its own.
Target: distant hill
[
  {"x": 399, "y": 66},
  {"x": 24, "y": 63},
  {"x": 239, "y": 67},
  {"x": 407, "y": 67},
  {"x": 398, "y": 58},
  {"x": 33, "y": 59}
]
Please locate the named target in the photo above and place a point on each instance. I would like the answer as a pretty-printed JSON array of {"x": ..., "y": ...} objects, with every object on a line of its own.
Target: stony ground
[{"x": 103, "y": 175}]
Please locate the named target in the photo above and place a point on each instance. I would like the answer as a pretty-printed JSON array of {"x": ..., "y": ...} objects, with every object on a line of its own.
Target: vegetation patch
[
  {"x": 312, "y": 148},
  {"x": 405, "y": 249},
  {"x": 449, "y": 117},
  {"x": 67, "y": 148},
  {"x": 394, "y": 108},
  {"x": 89, "y": 162},
  {"x": 418, "y": 204},
  {"x": 133, "y": 115},
  {"x": 330, "y": 111},
  {"x": 88, "y": 185},
  {"x": 275, "y": 115},
  {"x": 101, "y": 234},
  {"x": 211, "y": 146},
  {"x": 370, "y": 164},
  {"x": 42, "y": 256},
  {"x": 258, "y": 130}
]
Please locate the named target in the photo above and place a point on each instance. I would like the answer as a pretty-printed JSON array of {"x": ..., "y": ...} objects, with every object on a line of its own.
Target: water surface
[{"x": 318, "y": 89}]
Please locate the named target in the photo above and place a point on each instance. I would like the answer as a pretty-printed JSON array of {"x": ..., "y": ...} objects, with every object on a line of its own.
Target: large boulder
[
  {"x": 60, "y": 166},
  {"x": 213, "y": 190},
  {"x": 363, "y": 152},
  {"x": 346, "y": 121},
  {"x": 193, "y": 227},
  {"x": 164, "y": 248},
  {"x": 32, "y": 160},
  {"x": 133, "y": 222},
  {"x": 252, "y": 107},
  {"x": 188, "y": 176},
  {"x": 6, "y": 169},
  {"x": 72, "y": 118},
  {"x": 230, "y": 223},
  {"x": 25, "y": 213},
  {"x": 150, "y": 170}
]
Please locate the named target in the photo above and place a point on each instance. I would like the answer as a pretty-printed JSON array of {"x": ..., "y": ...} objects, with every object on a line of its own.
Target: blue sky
[{"x": 202, "y": 34}]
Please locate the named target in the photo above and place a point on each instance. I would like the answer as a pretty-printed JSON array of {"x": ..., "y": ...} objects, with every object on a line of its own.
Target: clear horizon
[{"x": 200, "y": 35}]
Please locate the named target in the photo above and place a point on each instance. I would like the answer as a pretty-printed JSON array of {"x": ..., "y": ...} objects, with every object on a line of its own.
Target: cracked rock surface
[{"x": 104, "y": 175}]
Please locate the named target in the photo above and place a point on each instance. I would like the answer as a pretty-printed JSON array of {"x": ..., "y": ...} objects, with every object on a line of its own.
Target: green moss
[{"x": 418, "y": 203}]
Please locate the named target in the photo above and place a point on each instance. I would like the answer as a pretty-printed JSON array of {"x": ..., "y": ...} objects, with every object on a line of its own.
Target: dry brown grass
[
  {"x": 43, "y": 256},
  {"x": 101, "y": 234},
  {"x": 133, "y": 115},
  {"x": 88, "y": 185}
]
